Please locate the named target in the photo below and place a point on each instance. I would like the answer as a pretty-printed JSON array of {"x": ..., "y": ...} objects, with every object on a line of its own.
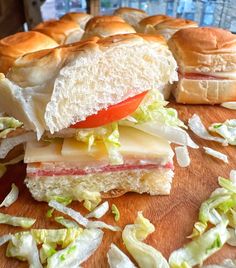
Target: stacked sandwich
[
  {"x": 206, "y": 60},
  {"x": 100, "y": 120}
]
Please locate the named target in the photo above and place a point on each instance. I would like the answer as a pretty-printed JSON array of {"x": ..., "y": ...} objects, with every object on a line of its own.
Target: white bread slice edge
[
  {"x": 192, "y": 91},
  {"x": 75, "y": 82},
  {"x": 109, "y": 184}
]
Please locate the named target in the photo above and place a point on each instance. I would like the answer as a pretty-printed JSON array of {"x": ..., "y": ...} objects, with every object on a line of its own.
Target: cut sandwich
[
  {"x": 101, "y": 123},
  {"x": 206, "y": 58}
]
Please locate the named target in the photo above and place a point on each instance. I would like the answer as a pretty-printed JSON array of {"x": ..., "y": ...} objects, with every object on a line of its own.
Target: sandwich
[
  {"x": 147, "y": 24},
  {"x": 80, "y": 18},
  {"x": 101, "y": 122},
  {"x": 168, "y": 27},
  {"x": 62, "y": 31},
  {"x": 16, "y": 45},
  {"x": 107, "y": 28},
  {"x": 131, "y": 15},
  {"x": 206, "y": 59}
]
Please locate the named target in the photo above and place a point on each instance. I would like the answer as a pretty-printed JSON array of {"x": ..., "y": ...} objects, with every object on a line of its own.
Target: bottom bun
[
  {"x": 109, "y": 184},
  {"x": 205, "y": 91}
]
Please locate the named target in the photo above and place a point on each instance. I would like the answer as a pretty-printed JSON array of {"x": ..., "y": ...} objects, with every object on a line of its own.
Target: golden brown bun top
[
  {"x": 20, "y": 43},
  {"x": 104, "y": 29},
  {"x": 153, "y": 20},
  {"x": 176, "y": 23},
  {"x": 57, "y": 29},
  {"x": 97, "y": 19},
  {"x": 205, "y": 40},
  {"x": 123, "y": 10},
  {"x": 14, "y": 46},
  {"x": 75, "y": 16}
]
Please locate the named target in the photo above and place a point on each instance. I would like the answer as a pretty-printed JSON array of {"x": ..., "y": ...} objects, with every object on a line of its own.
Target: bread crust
[
  {"x": 16, "y": 45},
  {"x": 109, "y": 184},
  {"x": 98, "y": 19},
  {"x": 123, "y": 10},
  {"x": 57, "y": 29},
  {"x": 147, "y": 24},
  {"x": 190, "y": 91},
  {"x": 176, "y": 24},
  {"x": 204, "y": 49},
  {"x": 80, "y": 18},
  {"x": 105, "y": 29}
]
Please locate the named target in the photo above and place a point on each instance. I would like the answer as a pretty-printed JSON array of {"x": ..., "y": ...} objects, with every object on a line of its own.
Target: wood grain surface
[{"x": 173, "y": 215}]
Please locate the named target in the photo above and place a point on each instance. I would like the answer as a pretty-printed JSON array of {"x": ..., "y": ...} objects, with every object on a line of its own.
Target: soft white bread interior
[
  {"x": 109, "y": 184},
  {"x": 169, "y": 27},
  {"x": 59, "y": 30},
  {"x": 64, "y": 84},
  {"x": 147, "y": 25},
  {"x": 80, "y": 18},
  {"x": 204, "y": 91},
  {"x": 204, "y": 50},
  {"x": 131, "y": 15},
  {"x": 16, "y": 45},
  {"x": 105, "y": 29}
]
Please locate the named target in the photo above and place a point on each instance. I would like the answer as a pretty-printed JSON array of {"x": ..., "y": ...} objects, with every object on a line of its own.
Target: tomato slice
[{"x": 112, "y": 113}]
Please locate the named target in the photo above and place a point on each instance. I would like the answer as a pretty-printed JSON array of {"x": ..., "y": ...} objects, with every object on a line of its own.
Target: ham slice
[{"x": 35, "y": 169}]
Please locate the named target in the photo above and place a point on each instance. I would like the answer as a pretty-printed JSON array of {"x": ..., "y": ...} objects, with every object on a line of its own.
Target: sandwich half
[
  {"x": 101, "y": 122},
  {"x": 207, "y": 65}
]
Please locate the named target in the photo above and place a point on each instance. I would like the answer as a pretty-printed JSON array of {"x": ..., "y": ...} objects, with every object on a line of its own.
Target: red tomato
[{"x": 112, "y": 113}]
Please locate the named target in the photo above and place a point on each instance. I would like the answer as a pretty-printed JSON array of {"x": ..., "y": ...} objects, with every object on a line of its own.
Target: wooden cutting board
[{"x": 173, "y": 215}]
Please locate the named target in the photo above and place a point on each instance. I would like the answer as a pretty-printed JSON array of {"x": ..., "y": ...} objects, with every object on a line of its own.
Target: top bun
[
  {"x": 80, "y": 18},
  {"x": 147, "y": 24},
  {"x": 84, "y": 78},
  {"x": 131, "y": 15},
  {"x": 168, "y": 27},
  {"x": 97, "y": 19},
  {"x": 204, "y": 49},
  {"x": 16, "y": 45},
  {"x": 59, "y": 30},
  {"x": 105, "y": 29}
]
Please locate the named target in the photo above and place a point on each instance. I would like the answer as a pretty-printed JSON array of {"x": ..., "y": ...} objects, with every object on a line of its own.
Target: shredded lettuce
[
  {"x": 91, "y": 199},
  {"x": 65, "y": 222},
  {"x": 3, "y": 170},
  {"x": 109, "y": 135},
  {"x": 229, "y": 105},
  {"x": 117, "y": 258},
  {"x": 144, "y": 255},
  {"x": 5, "y": 238},
  {"x": 198, "y": 250},
  {"x": 81, "y": 219},
  {"x": 23, "y": 247},
  {"x": 227, "y": 130},
  {"x": 60, "y": 199},
  {"x": 8, "y": 124},
  {"x": 197, "y": 127},
  {"x": 99, "y": 211},
  {"x": 182, "y": 156},
  {"x": 216, "y": 154},
  {"x": 11, "y": 197},
  {"x": 61, "y": 237},
  {"x": 232, "y": 239},
  {"x": 16, "y": 221},
  {"x": 116, "y": 212},
  {"x": 78, "y": 251},
  {"x": 152, "y": 109},
  {"x": 45, "y": 252}
]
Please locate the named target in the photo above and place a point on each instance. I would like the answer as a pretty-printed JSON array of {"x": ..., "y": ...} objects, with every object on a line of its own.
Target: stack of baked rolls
[
  {"x": 104, "y": 26},
  {"x": 131, "y": 15},
  {"x": 147, "y": 25},
  {"x": 62, "y": 31},
  {"x": 207, "y": 63},
  {"x": 168, "y": 27}
]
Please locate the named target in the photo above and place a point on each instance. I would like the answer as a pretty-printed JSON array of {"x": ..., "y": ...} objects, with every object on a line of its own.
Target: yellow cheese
[{"x": 134, "y": 144}]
